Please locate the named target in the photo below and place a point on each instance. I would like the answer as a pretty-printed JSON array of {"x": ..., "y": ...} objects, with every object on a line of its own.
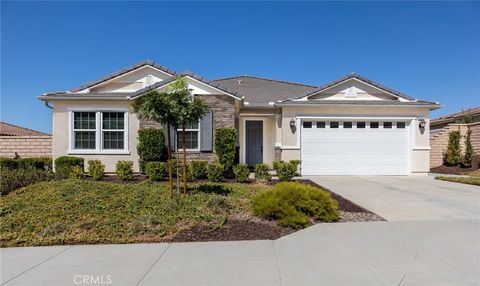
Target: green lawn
[
  {"x": 81, "y": 212},
  {"x": 463, "y": 180}
]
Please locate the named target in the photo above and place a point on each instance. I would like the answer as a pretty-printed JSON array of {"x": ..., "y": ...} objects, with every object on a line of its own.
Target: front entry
[{"x": 254, "y": 142}]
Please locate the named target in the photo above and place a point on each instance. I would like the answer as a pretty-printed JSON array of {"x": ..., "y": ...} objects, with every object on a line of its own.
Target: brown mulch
[
  {"x": 458, "y": 170},
  {"x": 234, "y": 229}
]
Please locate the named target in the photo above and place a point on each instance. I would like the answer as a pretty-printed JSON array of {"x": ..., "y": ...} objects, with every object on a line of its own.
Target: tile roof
[
  {"x": 358, "y": 102},
  {"x": 354, "y": 76},
  {"x": 7, "y": 129},
  {"x": 456, "y": 116},
  {"x": 263, "y": 90}
]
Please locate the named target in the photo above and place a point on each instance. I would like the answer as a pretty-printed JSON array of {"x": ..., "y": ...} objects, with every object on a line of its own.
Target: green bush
[
  {"x": 156, "y": 171},
  {"x": 241, "y": 172},
  {"x": 12, "y": 179},
  {"x": 286, "y": 170},
  {"x": 225, "y": 147},
  {"x": 151, "y": 146},
  {"x": 96, "y": 169},
  {"x": 190, "y": 176},
  {"x": 199, "y": 169},
  {"x": 294, "y": 205},
  {"x": 212, "y": 188},
  {"x": 64, "y": 165},
  {"x": 8, "y": 163},
  {"x": 468, "y": 157},
  {"x": 453, "y": 156},
  {"x": 277, "y": 163},
  {"x": 41, "y": 163},
  {"x": 215, "y": 172},
  {"x": 124, "y": 170},
  {"x": 174, "y": 167},
  {"x": 76, "y": 172},
  {"x": 261, "y": 173}
]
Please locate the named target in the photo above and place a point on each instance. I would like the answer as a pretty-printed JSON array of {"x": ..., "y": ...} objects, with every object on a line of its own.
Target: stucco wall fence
[
  {"x": 439, "y": 141},
  {"x": 26, "y": 146}
]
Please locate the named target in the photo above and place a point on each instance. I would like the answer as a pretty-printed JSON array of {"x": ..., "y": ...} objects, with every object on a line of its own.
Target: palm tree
[{"x": 159, "y": 107}]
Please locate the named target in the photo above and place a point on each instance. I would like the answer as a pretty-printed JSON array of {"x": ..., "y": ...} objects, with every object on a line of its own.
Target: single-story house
[
  {"x": 17, "y": 141},
  {"x": 351, "y": 126}
]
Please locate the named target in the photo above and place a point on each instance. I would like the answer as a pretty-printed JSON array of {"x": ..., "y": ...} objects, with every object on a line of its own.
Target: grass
[
  {"x": 86, "y": 212},
  {"x": 464, "y": 180}
]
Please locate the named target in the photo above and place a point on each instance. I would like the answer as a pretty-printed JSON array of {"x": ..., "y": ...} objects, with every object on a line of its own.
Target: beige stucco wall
[
  {"x": 61, "y": 132},
  {"x": 269, "y": 127},
  {"x": 420, "y": 144}
]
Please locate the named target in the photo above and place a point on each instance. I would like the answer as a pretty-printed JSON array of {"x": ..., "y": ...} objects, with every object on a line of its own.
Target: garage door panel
[{"x": 354, "y": 151}]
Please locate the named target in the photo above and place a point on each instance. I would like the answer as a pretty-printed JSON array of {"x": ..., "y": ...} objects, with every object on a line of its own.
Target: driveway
[{"x": 407, "y": 198}]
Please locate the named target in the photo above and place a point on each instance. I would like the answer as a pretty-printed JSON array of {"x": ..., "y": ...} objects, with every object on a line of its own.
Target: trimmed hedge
[
  {"x": 156, "y": 171},
  {"x": 40, "y": 163},
  {"x": 225, "y": 147},
  {"x": 9, "y": 163},
  {"x": 215, "y": 172},
  {"x": 65, "y": 164},
  {"x": 199, "y": 169},
  {"x": 12, "y": 179},
  {"x": 294, "y": 204},
  {"x": 151, "y": 146},
  {"x": 241, "y": 172},
  {"x": 124, "y": 170}
]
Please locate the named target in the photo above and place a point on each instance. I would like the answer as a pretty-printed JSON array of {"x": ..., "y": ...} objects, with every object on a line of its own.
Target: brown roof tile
[{"x": 7, "y": 129}]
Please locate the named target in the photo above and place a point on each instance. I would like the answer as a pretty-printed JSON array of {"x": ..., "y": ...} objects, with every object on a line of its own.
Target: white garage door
[{"x": 354, "y": 147}]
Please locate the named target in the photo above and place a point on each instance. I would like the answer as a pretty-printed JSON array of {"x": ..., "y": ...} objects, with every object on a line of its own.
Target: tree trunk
[
  {"x": 184, "y": 161},
  {"x": 169, "y": 155}
]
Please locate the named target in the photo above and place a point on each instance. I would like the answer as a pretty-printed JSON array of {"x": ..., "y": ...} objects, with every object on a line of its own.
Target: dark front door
[{"x": 254, "y": 142}]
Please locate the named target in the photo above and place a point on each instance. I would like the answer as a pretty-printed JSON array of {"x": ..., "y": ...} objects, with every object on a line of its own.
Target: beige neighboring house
[
  {"x": 441, "y": 127},
  {"x": 20, "y": 141},
  {"x": 351, "y": 126}
]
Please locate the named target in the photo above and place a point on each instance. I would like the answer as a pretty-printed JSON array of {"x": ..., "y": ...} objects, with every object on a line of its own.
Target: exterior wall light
[
  {"x": 421, "y": 122},
  {"x": 292, "y": 123}
]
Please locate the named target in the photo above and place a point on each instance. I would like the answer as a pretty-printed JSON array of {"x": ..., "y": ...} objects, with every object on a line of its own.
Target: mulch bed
[{"x": 457, "y": 170}]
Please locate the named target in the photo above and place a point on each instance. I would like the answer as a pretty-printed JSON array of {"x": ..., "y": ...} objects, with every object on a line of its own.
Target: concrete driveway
[{"x": 407, "y": 198}]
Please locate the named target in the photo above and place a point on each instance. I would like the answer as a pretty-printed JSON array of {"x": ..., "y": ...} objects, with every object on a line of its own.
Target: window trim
[
  {"x": 98, "y": 132},
  {"x": 180, "y": 149}
]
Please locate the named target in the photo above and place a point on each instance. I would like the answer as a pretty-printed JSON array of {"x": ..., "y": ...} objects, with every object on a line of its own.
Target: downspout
[{"x": 46, "y": 104}]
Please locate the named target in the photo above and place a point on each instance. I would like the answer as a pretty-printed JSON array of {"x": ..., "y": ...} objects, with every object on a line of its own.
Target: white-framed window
[
  {"x": 98, "y": 131},
  {"x": 192, "y": 137}
]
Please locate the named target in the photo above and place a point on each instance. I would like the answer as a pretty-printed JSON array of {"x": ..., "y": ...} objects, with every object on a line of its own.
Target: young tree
[
  {"x": 190, "y": 110},
  {"x": 159, "y": 107},
  {"x": 453, "y": 157},
  {"x": 468, "y": 157}
]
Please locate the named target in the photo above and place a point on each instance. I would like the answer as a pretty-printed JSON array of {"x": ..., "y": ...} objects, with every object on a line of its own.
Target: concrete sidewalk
[{"x": 372, "y": 253}]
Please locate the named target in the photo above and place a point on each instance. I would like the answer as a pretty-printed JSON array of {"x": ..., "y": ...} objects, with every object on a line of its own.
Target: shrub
[
  {"x": 199, "y": 169},
  {"x": 12, "y": 179},
  {"x": 96, "y": 169},
  {"x": 215, "y": 172},
  {"x": 190, "y": 176},
  {"x": 225, "y": 147},
  {"x": 294, "y": 204},
  {"x": 468, "y": 157},
  {"x": 241, "y": 172},
  {"x": 286, "y": 170},
  {"x": 151, "y": 146},
  {"x": 64, "y": 165},
  {"x": 277, "y": 163},
  {"x": 8, "y": 163},
  {"x": 453, "y": 157},
  {"x": 41, "y": 163},
  {"x": 212, "y": 188},
  {"x": 124, "y": 170},
  {"x": 296, "y": 163},
  {"x": 174, "y": 168},
  {"x": 156, "y": 171},
  {"x": 261, "y": 173},
  {"x": 76, "y": 172}
]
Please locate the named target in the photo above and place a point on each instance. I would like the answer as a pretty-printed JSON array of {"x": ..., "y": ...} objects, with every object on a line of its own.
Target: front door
[{"x": 254, "y": 142}]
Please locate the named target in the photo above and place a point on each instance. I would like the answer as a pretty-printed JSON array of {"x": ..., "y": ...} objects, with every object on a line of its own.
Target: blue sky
[{"x": 428, "y": 50}]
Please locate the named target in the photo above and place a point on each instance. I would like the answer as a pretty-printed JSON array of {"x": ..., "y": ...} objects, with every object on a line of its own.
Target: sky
[{"x": 427, "y": 50}]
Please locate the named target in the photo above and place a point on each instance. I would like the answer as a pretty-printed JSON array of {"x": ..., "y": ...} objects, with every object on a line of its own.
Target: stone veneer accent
[
  {"x": 26, "y": 146},
  {"x": 439, "y": 141},
  {"x": 223, "y": 111}
]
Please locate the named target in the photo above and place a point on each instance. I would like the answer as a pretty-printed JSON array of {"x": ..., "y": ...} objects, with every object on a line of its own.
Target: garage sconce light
[
  {"x": 292, "y": 123},
  {"x": 421, "y": 122}
]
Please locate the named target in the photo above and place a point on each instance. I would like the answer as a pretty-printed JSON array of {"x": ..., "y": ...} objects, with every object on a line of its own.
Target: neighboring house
[
  {"x": 351, "y": 126},
  {"x": 23, "y": 142},
  {"x": 459, "y": 121}
]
